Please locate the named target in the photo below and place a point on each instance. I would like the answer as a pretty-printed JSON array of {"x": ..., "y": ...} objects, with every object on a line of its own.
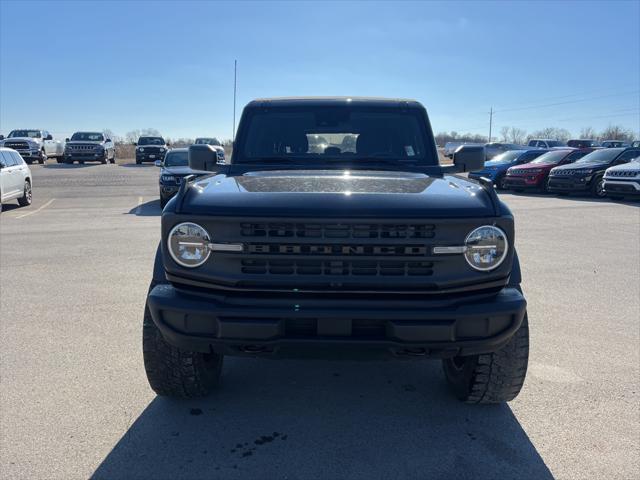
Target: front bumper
[
  {"x": 568, "y": 184},
  {"x": 630, "y": 188},
  {"x": 280, "y": 325},
  {"x": 90, "y": 156},
  {"x": 30, "y": 154},
  {"x": 167, "y": 191},
  {"x": 518, "y": 182},
  {"x": 148, "y": 157}
]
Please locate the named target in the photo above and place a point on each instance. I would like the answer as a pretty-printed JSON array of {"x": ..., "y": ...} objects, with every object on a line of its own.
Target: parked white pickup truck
[{"x": 34, "y": 145}]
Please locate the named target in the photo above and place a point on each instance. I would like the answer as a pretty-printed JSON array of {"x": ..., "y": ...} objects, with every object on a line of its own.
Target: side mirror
[
  {"x": 135, "y": 144},
  {"x": 1, "y": 137},
  {"x": 158, "y": 163},
  {"x": 49, "y": 137},
  {"x": 204, "y": 157},
  {"x": 66, "y": 139},
  {"x": 108, "y": 140},
  {"x": 468, "y": 158}
]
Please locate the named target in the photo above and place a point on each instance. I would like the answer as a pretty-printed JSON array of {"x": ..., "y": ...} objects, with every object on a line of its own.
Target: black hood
[
  {"x": 333, "y": 193},
  {"x": 183, "y": 171}
]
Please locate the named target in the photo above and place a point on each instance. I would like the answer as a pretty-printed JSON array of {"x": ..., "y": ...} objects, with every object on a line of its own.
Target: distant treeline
[{"x": 520, "y": 136}]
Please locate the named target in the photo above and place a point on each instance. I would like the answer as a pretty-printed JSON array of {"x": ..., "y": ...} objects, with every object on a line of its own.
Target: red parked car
[{"x": 535, "y": 175}]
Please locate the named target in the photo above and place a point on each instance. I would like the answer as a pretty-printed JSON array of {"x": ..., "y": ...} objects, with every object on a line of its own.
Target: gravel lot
[{"x": 74, "y": 401}]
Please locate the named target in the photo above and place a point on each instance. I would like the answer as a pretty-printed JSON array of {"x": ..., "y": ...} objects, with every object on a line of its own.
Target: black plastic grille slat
[
  {"x": 336, "y": 231},
  {"x": 336, "y": 267}
]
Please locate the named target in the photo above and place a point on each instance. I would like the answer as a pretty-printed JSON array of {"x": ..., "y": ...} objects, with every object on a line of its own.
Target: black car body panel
[{"x": 328, "y": 254}]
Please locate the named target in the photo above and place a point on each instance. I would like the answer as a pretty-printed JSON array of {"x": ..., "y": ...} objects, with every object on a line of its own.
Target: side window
[
  {"x": 572, "y": 157},
  {"x": 627, "y": 156},
  {"x": 4, "y": 161},
  {"x": 17, "y": 159},
  {"x": 9, "y": 161}
]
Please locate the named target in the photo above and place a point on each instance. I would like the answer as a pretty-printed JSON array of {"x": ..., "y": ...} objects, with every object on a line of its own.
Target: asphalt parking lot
[{"x": 74, "y": 400}]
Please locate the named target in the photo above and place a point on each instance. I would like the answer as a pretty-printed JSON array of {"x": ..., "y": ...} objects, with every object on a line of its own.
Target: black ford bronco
[{"x": 364, "y": 247}]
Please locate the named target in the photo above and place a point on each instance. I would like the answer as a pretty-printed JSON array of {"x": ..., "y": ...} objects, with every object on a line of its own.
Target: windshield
[
  {"x": 208, "y": 141},
  {"x": 176, "y": 159},
  {"x": 601, "y": 156},
  {"x": 335, "y": 133},
  {"x": 506, "y": 157},
  {"x": 551, "y": 158},
  {"x": 151, "y": 141},
  {"x": 88, "y": 136},
  {"x": 25, "y": 133}
]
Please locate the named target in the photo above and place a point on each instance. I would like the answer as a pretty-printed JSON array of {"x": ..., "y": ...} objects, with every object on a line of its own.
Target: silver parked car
[{"x": 15, "y": 178}]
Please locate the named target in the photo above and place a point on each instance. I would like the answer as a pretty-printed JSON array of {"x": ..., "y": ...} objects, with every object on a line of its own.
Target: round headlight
[
  {"x": 487, "y": 247},
  {"x": 161, "y": 149},
  {"x": 188, "y": 244},
  {"x": 140, "y": 149}
]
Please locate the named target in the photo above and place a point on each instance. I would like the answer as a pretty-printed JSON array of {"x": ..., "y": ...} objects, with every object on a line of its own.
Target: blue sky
[{"x": 68, "y": 66}]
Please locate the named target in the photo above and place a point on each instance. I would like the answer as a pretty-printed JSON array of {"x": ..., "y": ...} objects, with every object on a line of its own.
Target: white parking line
[
  {"x": 139, "y": 206},
  {"x": 36, "y": 210}
]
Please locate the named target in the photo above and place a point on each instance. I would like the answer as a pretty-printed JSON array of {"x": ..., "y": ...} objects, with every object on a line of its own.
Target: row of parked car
[
  {"x": 36, "y": 145},
  {"x": 494, "y": 149},
  {"x": 598, "y": 171}
]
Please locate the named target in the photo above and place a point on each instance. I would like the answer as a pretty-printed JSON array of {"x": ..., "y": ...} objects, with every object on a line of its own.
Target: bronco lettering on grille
[{"x": 355, "y": 250}]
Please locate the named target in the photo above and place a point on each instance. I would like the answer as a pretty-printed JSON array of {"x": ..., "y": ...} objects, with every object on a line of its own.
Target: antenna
[{"x": 235, "y": 84}]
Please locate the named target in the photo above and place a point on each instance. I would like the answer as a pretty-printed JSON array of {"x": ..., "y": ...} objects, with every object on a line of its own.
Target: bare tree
[
  {"x": 132, "y": 136},
  {"x": 504, "y": 134},
  {"x": 616, "y": 132},
  {"x": 588, "y": 133},
  {"x": 517, "y": 135},
  {"x": 108, "y": 133},
  {"x": 551, "y": 132}
]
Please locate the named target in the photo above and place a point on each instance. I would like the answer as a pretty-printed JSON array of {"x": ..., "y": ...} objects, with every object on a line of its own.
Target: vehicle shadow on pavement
[
  {"x": 320, "y": 419},
  {"x": 70, "y": 165},
  {"x": 147, "y": 209},
  {"x": 135, "y": 165}
]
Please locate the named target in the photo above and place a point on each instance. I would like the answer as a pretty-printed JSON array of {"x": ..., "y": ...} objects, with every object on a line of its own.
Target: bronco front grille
[
  {"x": 337, "y": 230},
  {"x": 336, "y": 267}
]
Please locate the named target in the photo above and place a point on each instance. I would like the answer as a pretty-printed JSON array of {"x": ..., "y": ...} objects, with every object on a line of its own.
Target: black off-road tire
[
  {"x": 113, "y": 157},
  {"x": 26, "y": 198},
  {"x": 60, "y": 159},
  {"x": 494, "y": 377},
  {"x": 176, "y": 373},
  {"x": 43, "y": 158},
  {"x": 597, "y": 187}
]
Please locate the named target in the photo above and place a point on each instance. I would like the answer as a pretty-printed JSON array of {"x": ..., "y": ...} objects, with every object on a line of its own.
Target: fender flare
[
  {"x": 158, "y": 267},
  {"x": 515, "y": 278}
]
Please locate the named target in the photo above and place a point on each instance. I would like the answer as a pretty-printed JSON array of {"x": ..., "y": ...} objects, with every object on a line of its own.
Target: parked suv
[
  {"x": 374, "y": 250},
  {"x": 89, "y": 147},
  {"x": 613, "y": 144},
  {"x": 586, "y": 175},
  {"x": 623, "y": 180},
  {"x": 15, "y": 178},
  {"x": 496, "y": 169},
  {"x": 34, "y": 145},
  {"x": 215, "y": 143},
  {"x": 535, "y": 175},
  {"x": 150, "y": 149},
  {"x": 175, "y": 167},
  {"x": 545, "y": 143},
  {"x": 583, "y": 143}
]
